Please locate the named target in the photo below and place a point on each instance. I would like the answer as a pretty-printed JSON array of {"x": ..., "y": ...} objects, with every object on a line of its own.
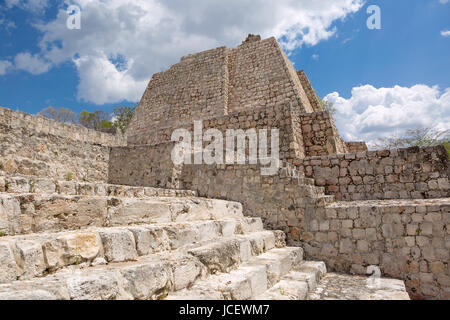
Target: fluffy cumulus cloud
[
  {"x": 31, "y": 63},
  {"x": 445, "y": 33},
  {"x": 151, "y": 35},
  {"x": 371, "y": 113},
  {"x": 4, "y": 66}
]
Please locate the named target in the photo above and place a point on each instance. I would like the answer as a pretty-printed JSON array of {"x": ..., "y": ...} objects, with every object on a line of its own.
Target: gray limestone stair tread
[
  {"x": 247, "y": 281},
  {"x": 43, "y": 185},
  {"x": 389, "y": 202},
  {"x": 335, "y": 286},
  {"x": 67, "y": 250},
  {"x": 296, "y": 284},
  {"x": 139, "y": 279},
  {"x": 32, "y": 213}
]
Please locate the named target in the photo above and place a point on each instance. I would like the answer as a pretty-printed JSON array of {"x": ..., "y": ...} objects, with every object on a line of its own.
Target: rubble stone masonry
[
  {"x": 413, "y": 173},
  {"x": 38, "y": 146}
]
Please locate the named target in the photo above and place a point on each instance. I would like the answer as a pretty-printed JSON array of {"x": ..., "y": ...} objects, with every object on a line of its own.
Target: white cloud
[
  {"x": 151, "y": 35},
  {"x": 4, "y": 66},
  {"x": 315, "y": 56},
  {"x": 443, "y": 1},
  {"x": 445, "y": 33},
  {"x": 119, "y": 84},
  {"x": 31, "y": 63},
  {"x": 371, "y": 113}
]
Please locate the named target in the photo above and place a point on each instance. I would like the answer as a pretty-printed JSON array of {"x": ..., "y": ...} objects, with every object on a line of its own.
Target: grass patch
[
  {"x": 69, "y": 176},
  {"x": 446, "y": 144}
]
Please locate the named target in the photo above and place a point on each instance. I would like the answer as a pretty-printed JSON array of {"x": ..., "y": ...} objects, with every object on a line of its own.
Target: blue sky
[{"x": 381, "y": 81}]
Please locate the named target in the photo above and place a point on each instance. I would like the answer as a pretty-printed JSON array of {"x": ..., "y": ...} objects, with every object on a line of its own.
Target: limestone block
[
  {"x": 42, "y": 289},
  {"x": 43, "y": 186},
  {"x": 207, "y": 230},
  {"x": 29, "y": 258},
  {"x": 17, "y": 185},
  {"x": 181, "y": 235},
  {"x": 219, "y": 256},
  {"x": 186, "y": 270},
  {"x": 280, "y": 238},
  {"x": 73, "y": 248},
  {"x": 8, "y": 267},
  {"x": 119, "y": 245},
  {"x": 95, "y": 285},
  {"x": 228, "y": 227},
  {"x": 2, "y": 184},
  {"x": 11, "y": 221},
  {"x": 150, "y": 240},
  {"x": 67, "y": 187},
  {"x": 252, "y": 225},
  {"x": 145, "y": 281}
]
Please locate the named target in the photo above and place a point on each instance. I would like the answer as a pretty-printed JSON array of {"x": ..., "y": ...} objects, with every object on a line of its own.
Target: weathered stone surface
[
  {"x": 93, "y": 286},
  {"x": 123, "y": 256},
  {"x": 345, "y": 287},
  {"x": 147, "y": 281},
  {"x": 74, "y": 248},
  {"x": 119, "y": 245},
  {"x": 30, "y": 258},
  {"x": 8, "y": 267}
]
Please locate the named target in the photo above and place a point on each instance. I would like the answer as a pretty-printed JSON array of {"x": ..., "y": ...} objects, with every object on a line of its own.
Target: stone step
[
  {"x": 250, "y": 280},
  {"x": 335, "y": 286},
  {"x": 36, "y": 255},
  {"x": 296, "y": 284},
  {"x": 32, "y": 184},
  {"x": 32, "y": 213},
  {"x": 156, "y": 275}
]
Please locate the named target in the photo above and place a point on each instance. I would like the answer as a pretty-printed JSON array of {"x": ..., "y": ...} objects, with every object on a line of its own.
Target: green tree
[
  {"x": 123, "y": 115},
  {"x": 95, "y": 120},
  {"x": 328, "y": 106}
]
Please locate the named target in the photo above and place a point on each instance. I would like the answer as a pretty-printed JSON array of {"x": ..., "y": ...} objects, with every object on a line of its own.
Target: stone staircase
[{"x": 82, "y": 241}]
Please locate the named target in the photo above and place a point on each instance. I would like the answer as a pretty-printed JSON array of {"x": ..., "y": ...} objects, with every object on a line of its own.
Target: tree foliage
[
  {"x": 95, "y": 120},
  {"x": 123, "y": 115},
  {"x": 328, "y": 106},
  {"x": 59, "y": 114}
]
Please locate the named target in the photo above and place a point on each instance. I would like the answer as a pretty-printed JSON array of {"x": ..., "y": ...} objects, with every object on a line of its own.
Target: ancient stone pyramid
[{"x": 91, "y": 215}]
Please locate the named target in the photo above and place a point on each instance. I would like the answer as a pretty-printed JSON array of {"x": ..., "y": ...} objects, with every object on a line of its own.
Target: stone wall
[
  {"x": 320, "y": 135},
  {"x": 147, "y": 166},
  {"x": 193, "y": 89},
  {"x": 311, "y": 94},
  {"x": 34, "y": 145},
  {"x": 354, "y": 147},
  {"x": 413, "y": 173},
  {"x": 406, "y": 239},
  {"x": 282, "y": 201},
  {"x": 269, "y": 117}
]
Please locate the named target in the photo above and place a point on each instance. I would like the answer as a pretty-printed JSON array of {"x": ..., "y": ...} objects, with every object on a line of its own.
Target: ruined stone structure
[{"x": 88, "y": 215}]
